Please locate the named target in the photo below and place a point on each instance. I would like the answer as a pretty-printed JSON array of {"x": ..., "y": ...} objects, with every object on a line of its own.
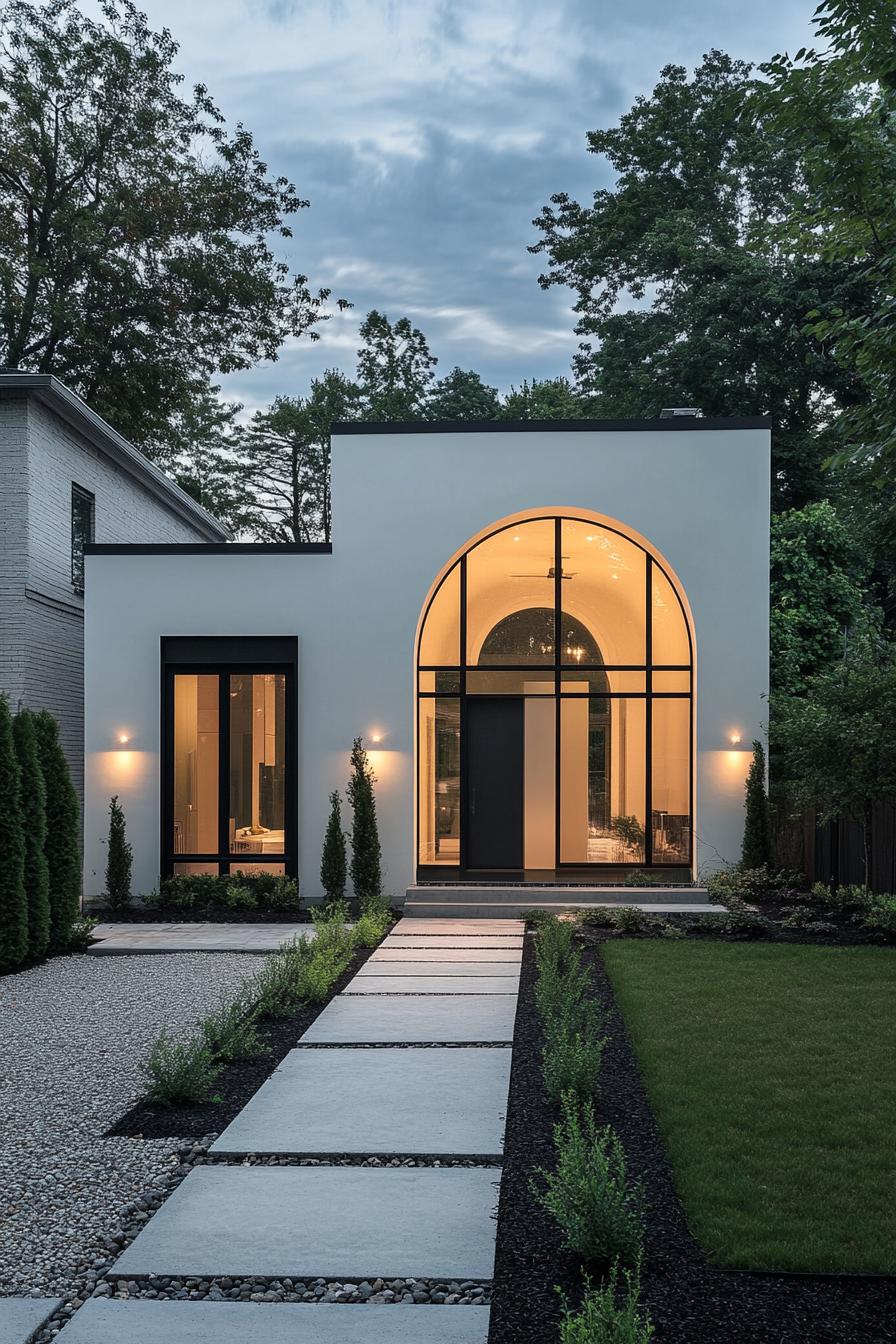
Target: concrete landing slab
[
  {"x": 22, "y": 1317},
  {"x": 389, "y": 1102},
  {"x": 425, "y": 984},
  {"x": 393, "y": 1019},
  {"x": 511, "y": 940},
  {"x": 328, "y": 1222},
  {"x": 439, "y": 970},
  {"x": 478, "y": 928},
  {"x": 132, "y": 939},
  {"x": 396, "y": 952},
  {"x": 141, "y": 1321}
]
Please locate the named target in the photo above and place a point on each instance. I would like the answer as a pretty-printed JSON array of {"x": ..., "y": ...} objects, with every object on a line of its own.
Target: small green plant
[
  {"x": 756, "y": 851},
  {"x": 230, "y": 1033},
  {"x": 80, "y": 934},
  {"x": 119, "y": 859},
  {"x": 274, "y": 987},
  {"x": 331, "y": 929},
  {"x": 537, "y": 919},
  {"x": 597, "y": 1207},
  {"x": 839, "y": 899},
  {"x": 597, "y": 917},
  {"x": 572, "y": 1054},
  {"x": 611, "y": 1314},
  {"x": 643, "y": 880},
  {"x": 238, "y": 896},
  {"x": 736, "y": 923},
  {"x": 316, "y": 975},
  {"x": 274, "y": 891},
  {"x": 629, "y": 919},
  {"x": 333, "y": 864},
  {"x": 880, "y": 914},
  {"x": 371, "y": 927},
  {"x": 179, "y": 1073},
  {"x": 365, "y": 866},
  {"x": 666, "y": 929}
]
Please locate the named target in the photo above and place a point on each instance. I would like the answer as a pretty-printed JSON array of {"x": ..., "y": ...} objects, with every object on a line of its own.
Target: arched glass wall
[{"x": 577, "y": 637}]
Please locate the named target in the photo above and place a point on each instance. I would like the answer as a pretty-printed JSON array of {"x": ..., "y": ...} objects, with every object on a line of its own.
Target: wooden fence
[{"x": 834, "y": 852}]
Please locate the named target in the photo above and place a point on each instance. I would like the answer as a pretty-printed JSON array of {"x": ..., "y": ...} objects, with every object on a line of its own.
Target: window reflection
[
  {"x": 439, "y": 757},
  {"x": 195, "y": 764},
  {"x": 257, "y": 763}
]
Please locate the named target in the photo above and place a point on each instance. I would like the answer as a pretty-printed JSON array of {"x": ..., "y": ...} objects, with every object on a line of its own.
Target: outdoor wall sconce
[{"x": 123, "y": 741}]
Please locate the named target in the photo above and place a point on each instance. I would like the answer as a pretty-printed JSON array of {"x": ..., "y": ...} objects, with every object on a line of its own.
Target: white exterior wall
[{"x": 403, "y": 504}]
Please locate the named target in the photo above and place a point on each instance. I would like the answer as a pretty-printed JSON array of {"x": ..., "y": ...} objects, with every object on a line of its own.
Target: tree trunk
[{"x": 867, "y": 840}]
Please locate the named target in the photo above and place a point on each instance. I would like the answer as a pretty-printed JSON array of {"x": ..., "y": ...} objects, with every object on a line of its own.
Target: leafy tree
[
  {"x": 62, "y": 845},
  {"x": 837, "y": 108},
  {"x": 205, "y": 462},
  {"x": 714, "y": 309},
  {"x": 13, "y": 901},
  {"x": 462, "y": 395},
  {"x": 819, "y": 575},
  {"x": 837, "y": 741},
  {"x": 34, "y": 828},
  {"x": 365, "y": 869},
  {"x": 394, "y": 368},
  {"x": 135, "y": 229},
  {"x": 333, "y": 869},
  {"x": 757, "y": 846},
  {"x": 118, "y": 860},
  {"x": 545, "y": 399}
]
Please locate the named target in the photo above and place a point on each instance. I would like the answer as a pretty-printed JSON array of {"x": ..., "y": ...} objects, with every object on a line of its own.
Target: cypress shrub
[
  {"x": 62, "y": 846},
  {"x": 333, "y": 861},
  {"x": 13, "y": 903},
  {"x": 366, "y": 874},
  {"x": 34, "y": 826},
  {"x": 757, "y": 846},
  {"x": 118, "y": 860}
]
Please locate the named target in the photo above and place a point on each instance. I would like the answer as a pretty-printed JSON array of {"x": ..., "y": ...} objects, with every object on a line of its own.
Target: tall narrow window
[
  {"x": 257, "y": 763},
  {"x": 83, "y": 518}
]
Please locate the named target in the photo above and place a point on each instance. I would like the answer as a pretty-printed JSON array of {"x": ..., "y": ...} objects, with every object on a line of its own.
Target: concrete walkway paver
[
  {"x": 394, "y": 1020},
  {"x": 425, "y": 984},
  {"x": 104, "y": 1321},
  {"x": 444, "y": 928},
  {"x": 377, "y": 1102},
  {"x": 22, "y": 1317},
  {"x": 128, "y": 939},
  {"x": 431, "y": 940},
  {"x": 439, "y": 970},
  {"x": 396, "y": 952},
  {"x": 328, "y": 1222}
]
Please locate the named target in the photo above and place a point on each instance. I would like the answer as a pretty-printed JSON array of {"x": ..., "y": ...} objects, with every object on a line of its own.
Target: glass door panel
[
  {"x": 602, "y": 780},
  {"x": 439, "y": 763},
  {"x": 257, "y": 763},
  {"x": 671, "y": 780},
  {"x": 196, "y": 746}
]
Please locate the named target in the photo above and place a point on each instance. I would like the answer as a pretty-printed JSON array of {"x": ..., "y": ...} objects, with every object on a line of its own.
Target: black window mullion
[
  {"x": 224, "y": 767},
  {"x": 558, "y": 634},
  {"x": 648, "y": 721}
]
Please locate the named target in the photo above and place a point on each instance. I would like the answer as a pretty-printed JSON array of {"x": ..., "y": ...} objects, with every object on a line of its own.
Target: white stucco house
[{"x": 553, "y": 638}]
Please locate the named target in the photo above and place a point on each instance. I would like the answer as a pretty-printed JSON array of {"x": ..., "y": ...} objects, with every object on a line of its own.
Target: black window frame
[
  {"x": 559, "y": 668},
  {"x": 81, "y": 497},
  {"x": 226, "y": 656}
]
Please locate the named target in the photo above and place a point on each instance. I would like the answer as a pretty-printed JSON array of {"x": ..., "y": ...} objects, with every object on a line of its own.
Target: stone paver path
[
  {"x": 148, "y": 1322},
  {"x": 127, "y": 939},
  {"x": 22, "y": 1317},
  {"x": 445, "y": 989}
]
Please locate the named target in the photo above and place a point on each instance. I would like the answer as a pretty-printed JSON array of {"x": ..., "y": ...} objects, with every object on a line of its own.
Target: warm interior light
[
  {"x": 376, "y": 737},
  {"x": 735, "y": 739},
  {"x": 123, "y": 738}
]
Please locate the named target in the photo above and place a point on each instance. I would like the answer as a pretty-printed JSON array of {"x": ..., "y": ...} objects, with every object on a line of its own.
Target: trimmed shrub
[
  {"x": 371, "y": 927},
  {"x": 179, "y": 1073},
  {"x": 34, "y": 828},
  {"x": 629, "y": 919},
  {"x": 597, "y": 1208},
  {"x": 317, "y": 974},
  {"x": 118, "y": 860},
  {"x": 880, "y": 914},
  {"x": 333, "y": 864},
  {"x": 275, "y": 891},
  {"x": 573, "y": 1052},
  {"x": 13, "y": 900},
  {"x": 230, "y": 1034},
  {"x": 644, "y": 880},
  {"x": 756, "y": 851},
  {"x": 840, "y": 899},
  {"x": 274, "y": 988},
  {"x": 202, "y": 891},
  {"x": 610, "y": 1314},
  {"x": 238, "y": 896},
  {"x": 365, "y": 867},
  {"x": 63, "y": 845}
]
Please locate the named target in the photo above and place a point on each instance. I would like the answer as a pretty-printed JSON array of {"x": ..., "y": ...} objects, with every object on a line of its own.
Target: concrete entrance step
[
  {"x": 322, "y": 1222},
  {"x": 425, "y": 1019},
  {"x": 468, "y": 902},
  {"x": 143, "y": 1321}
]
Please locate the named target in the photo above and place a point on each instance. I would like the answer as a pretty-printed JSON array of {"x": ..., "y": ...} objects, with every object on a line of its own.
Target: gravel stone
[{"x": 72, "y": 1033}]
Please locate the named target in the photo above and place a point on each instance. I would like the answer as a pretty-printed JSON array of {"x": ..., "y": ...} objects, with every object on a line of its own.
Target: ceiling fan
[{"x": 551, "y": 574}]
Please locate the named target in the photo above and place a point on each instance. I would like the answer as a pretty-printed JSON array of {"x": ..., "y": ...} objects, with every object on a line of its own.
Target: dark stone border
[
  {"x": 375, "y": 1160},
  {"x": 295, "y": 1288},
  {"x": 687, "y": 1298}
]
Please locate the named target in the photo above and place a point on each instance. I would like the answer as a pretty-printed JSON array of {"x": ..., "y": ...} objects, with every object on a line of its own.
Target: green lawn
[{"x": 772, "y": 1073}]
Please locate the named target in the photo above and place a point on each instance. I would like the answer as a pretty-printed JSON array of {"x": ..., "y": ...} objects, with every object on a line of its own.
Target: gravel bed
[
  {"x": 347, "y": 1160},
  {"x": 687, "y": 1298},
  {"x": 232, "y": 1289},
  {"x": 72, "y": 1033}
]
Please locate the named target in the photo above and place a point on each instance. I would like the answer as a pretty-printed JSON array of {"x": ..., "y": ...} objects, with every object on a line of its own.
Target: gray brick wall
[{"x": 41, "y": 614}]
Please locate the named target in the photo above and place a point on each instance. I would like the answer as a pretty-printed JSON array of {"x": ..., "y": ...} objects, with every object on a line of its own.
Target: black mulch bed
[
  {"x": 689, "y": 1302},
  {"x": 171, "y": 914},
  {"x": 235, "y": 1084}
]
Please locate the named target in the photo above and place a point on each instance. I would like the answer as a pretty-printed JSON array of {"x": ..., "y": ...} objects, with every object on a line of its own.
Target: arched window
[{"x": 555, "y": 705}]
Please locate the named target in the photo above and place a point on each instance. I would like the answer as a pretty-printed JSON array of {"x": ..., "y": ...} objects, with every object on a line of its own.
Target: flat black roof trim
[
  {"x": 212, "y": 548},
  {"x": 676, "y": 424}
]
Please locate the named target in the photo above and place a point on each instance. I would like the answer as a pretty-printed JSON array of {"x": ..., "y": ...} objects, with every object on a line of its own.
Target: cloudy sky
[{"x": 427, "y": 134}]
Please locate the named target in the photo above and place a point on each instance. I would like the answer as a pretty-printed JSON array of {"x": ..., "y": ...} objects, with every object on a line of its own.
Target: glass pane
[
  {"x": 258, "y": 869},
  {"x": 539, "y": 782},
  {"x": 439, "y": 762},
  {"x": 257, "y": 763},
  {"x": 603, "y": 595},
  {"x": 440, "y": 640},
  {"x": 670, "y": 632},
  {"x": 671, "y": 781},
  {"x": 672, "y": 681},
  {"x": 446, "y": 682},
  {"x": 602, "y": 785},
  {"x": 195, "y": 764},
  {"x": 532, "y": 682},
  {"x": 510, "y": 597},
  {"x": 576, "y": 681},
  {"x": 195, "y": 869}
]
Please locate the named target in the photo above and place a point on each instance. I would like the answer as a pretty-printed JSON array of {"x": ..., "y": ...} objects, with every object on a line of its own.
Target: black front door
[{"x": 494, "y": 775}]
